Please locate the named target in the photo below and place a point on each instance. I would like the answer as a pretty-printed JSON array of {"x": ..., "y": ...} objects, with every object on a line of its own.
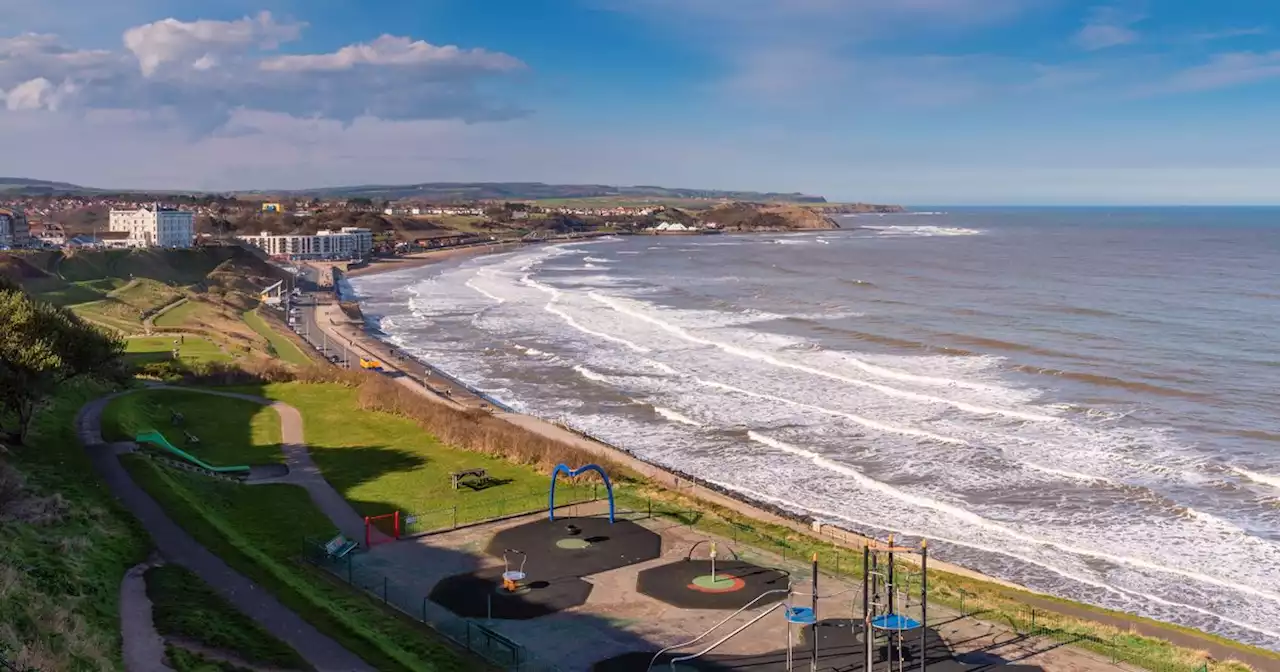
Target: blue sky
[{"x": 909, "y": 101}]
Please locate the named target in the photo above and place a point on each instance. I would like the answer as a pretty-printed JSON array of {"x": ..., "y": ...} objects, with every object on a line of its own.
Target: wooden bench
[
  {"x": 481, "y": 474},
  {"x": 175, "y": 417},
  {"x": 192, "y": 439},
  {"x": 339, "y": 546}
]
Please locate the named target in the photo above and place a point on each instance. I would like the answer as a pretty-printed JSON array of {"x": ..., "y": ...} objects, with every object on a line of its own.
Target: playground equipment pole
[
  {"x": 891, "y": 585},
  {"x": 924, "y": 600},
  {"x": 813, "y": 656},
  {"x": 713, "y": 563},
  {"x": 866, "y": 607}
]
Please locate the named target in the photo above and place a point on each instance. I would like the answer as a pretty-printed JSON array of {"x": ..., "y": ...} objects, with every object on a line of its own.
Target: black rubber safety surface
[
  {"x": 674, "y": 584},
  {"x": 554, "y": 550},
  {"x": 839, "y": 650}
]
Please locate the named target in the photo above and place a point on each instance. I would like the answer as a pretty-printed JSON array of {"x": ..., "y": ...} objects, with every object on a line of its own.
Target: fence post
[
  {"x": 424, "y": 608},
  {"x": 650, "y": 506},
  {"x": 1033, "y": 620},
  {"x": 455, "y": 516}
]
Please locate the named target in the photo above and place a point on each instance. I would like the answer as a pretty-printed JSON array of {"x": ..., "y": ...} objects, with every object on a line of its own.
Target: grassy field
[
  {"x": 279, "y": 345},
  {"x": 186, "y": 315},
  {"x": 622, "y": 202},
  {"x": 383, "y": 463},
  {"x": 184, "y": 606},
  {"x": 258, "y": 530},
  {"x": 231, "y": 431},
  {"x": 66, "y": 545},
  {"x": 192, "y": 349}
]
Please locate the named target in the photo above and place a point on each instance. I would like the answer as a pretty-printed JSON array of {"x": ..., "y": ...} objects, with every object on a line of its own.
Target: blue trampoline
[{"x": 894, "y": 622}]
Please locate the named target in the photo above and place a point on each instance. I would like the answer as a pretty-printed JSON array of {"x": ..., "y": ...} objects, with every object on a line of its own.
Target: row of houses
[{"x": 350, "y": 242}]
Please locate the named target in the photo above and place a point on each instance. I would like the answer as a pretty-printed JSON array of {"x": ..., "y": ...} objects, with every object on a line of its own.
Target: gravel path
[{"x": 180, "y": 548}]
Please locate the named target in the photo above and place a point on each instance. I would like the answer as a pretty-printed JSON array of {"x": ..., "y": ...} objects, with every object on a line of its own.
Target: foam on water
[
  {"x": 1095, "y": 505},
  {"x": 924, "y": 230}
]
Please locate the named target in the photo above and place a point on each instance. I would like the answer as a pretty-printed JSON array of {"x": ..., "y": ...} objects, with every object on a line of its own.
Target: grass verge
[
  {"x": 184, "y": 606},
  {"x": 219, "y": 422},
  {"x": 258, "y": 530},
  {"x": 66, "y": 546},
  {"x": 278, "y": 344}
]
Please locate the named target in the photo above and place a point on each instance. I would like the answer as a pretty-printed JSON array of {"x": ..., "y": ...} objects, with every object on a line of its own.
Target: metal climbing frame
[{"x": 884, "y": 614}]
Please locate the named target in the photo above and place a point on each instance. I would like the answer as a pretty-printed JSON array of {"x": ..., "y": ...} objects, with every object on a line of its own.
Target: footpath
[{"x": 178, "y": 547}]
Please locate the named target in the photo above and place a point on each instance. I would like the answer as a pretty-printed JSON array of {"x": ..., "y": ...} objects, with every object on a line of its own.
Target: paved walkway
[
  {"x": 303, "y": 472},
  {"x": 180, "y": 548},
  {"x": 143, "y": 648}
]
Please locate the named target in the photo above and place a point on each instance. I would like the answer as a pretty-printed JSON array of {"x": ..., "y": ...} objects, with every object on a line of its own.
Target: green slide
[{"x": 157, "y": 439}]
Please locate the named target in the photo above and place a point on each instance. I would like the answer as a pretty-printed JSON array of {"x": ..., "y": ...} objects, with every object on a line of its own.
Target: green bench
[{"x": 339, "y": 546}]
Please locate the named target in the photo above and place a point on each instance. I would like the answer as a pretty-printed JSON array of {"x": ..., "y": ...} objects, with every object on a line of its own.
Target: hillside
[
  {"x": 533, "y": 191},
  {"x": 745, "y": 217},
  {"x": 25, "y": 186}
]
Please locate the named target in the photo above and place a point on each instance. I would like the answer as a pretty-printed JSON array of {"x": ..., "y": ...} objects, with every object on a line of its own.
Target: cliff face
[
  {"x": 765, "y": 217},
  {"x": 862, "y": 208}
]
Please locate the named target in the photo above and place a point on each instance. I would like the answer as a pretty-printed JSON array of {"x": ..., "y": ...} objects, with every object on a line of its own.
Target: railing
[{"x": 473, "y": 635}]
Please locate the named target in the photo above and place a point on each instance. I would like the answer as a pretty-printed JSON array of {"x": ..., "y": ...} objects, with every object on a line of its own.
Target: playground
[{"x": 588, "y": 587}]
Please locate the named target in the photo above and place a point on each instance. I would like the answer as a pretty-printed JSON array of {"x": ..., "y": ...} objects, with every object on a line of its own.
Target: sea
[{"x": 1082, "y": 401}]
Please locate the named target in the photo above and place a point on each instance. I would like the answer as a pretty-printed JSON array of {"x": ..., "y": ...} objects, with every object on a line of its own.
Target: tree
[{"x": 41, "y": 347}]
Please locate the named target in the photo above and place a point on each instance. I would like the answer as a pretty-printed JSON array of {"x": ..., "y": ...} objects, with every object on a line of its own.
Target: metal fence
[{"x": 473, "y": 635}]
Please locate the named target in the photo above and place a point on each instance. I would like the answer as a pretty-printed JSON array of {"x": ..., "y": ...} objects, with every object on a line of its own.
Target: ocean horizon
[{"x": 1076, "y": 399}]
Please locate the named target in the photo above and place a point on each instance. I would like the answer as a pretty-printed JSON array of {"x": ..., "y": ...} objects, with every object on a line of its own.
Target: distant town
[{"x": 328, "y": 227}]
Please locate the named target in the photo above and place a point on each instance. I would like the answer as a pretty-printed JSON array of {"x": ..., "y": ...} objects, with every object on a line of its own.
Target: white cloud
[
  {"x": 196, "y": 74},
  {"x": 389, "y": 50},
  {"x": 171, "y": 40},
  {"x": 1222, "y": 71},
  {"x": 1107, "y": 27}
]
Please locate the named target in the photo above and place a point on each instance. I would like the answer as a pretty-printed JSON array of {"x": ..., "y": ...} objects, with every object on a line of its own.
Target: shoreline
[{"x": 441, "y": 387}]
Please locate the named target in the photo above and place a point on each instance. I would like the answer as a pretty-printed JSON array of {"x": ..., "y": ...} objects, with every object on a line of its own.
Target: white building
[
  {"x": 155, "y": 226},
  {"x": 351, "y": 242},
  {"x": 14, "y": 231}
]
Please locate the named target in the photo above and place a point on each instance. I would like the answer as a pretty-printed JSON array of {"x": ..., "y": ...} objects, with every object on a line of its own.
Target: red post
[
  {"x": 366, "y": 533},
  {"x": 397, "y": 524}
]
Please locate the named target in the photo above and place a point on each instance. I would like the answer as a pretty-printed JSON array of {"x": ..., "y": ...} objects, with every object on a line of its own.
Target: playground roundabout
[{"x": 694, "y": 584}]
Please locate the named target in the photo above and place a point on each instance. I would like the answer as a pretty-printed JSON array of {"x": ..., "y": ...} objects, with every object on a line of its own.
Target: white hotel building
[
  {"x": 155, "y": 226},
  {"x": 351, "y": 242}
]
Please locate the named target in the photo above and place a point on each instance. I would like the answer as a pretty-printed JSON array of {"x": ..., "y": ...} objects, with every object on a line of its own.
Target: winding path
[{"x": 180, "y": 548}]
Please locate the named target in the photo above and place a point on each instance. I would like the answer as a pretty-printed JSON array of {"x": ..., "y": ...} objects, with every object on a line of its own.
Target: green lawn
[
  {"x": 258, "y": 530},
  {"x": 280, "y": 344},
  {"x": 185, "y": 606},
  {"x": 122, "y": 308},
  {"x": 66, "y": 546},
  {"x": 179, "y": 316},
  {"x": 383, "y": 463},
  {"x": 231, "y": 431},
  {"x": 192, "y": 349}
]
